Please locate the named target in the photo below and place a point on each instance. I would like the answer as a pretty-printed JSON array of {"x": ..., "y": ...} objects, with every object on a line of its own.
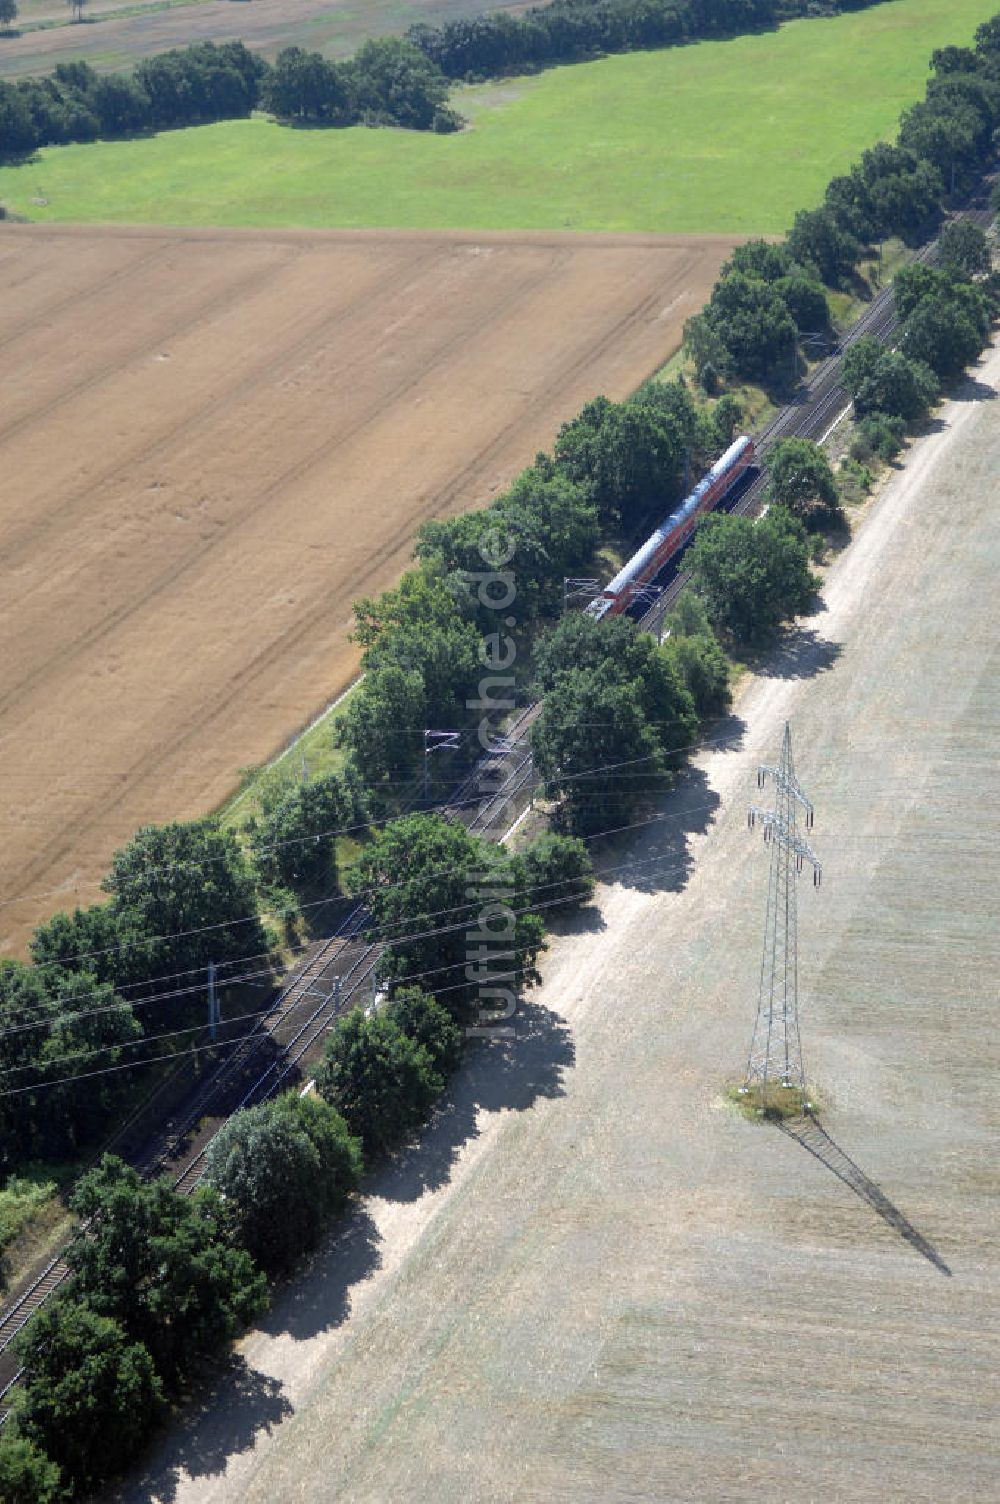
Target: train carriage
[{"x": 673, "y": 532}]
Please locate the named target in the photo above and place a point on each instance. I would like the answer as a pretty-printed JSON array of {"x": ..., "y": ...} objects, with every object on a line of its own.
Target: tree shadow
[
  {"x": 663, "y": 861},
  {"x": 929, "y": 425},
  {"x": 499, "y": 1075},
  {"x": 225, "y": 1419},
  {"x": 318, "y": 1297},
  {"x": 813, "y": 1137},
  {"x": 798, "y": 653},
  {"x": 585, "y": 921},
  {"x": 971, "y": 389}
]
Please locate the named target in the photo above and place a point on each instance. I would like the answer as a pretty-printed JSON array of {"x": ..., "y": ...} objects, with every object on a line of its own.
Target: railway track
[
  {"x": 822, "y": 403},
  {"x": 481, "y": 807}
]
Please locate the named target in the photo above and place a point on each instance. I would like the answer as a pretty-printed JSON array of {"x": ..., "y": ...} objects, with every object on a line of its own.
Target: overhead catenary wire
[
  {"x": 480, "y": 798},
  {"x": 240, "y": 1038},
  {"x": 343, "y": 830},
  {"x": 48, "y": 1019}
]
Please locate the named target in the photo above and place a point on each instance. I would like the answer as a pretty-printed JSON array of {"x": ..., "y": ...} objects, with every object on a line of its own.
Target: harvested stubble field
[
  {"x": 212, "y": 442},
  {"x": 593, "y": 1280}
]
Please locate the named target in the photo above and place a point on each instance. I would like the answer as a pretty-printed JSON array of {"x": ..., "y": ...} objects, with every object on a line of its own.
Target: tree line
[
  {"x": 159, "y": 1284},
  {"x": 769, "y": 296},
  {"x": 387, "y": 82},
  {"x": 570, "y": 30}
]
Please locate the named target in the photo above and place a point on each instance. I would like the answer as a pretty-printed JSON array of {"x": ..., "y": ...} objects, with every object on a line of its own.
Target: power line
[
  {"x": 43, "y": 1020},
  {"x": 257, "y": 914}
]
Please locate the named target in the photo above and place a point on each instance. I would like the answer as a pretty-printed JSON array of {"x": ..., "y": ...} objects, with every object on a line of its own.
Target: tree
[
  {"x": 754, "y": 326},
  {"x": 385, "y": 720},
  {"x": 764, "y": 259},
  {"x": 159, "y": 1263},
  {"x": 305, "y": 86},
  {"x": 8, "y": 13},
  {"x": 27, "y": 1475},
  {"x": 394, "y": 82},
  {"x": 95, "y": 940},
  {"x": 886, "y": 381},
  {"x": 90, "y": 1395},
  {"x": 57, "y": 1026},
  {"x": 805, "y": 300},
  {"x": 802, "y": 481},
  {"x": 546, "y": 521},
  {"x": 294, "y": 841},
  {"x": 560, "y": 873},
  {"x": 816, "y": 239},
  {"x": 629, "y": 455},
  {"x": 423, "y": 879},
  {"x": 727, "y": 417},
  {"x": 382, "y": 1082},
  {"x": 283, "y": 1169},
  {"x": 190, "y": 891},
  {"x": 429, "y": 1024},
  {"x": 421, "y": 599},
  {"x": 700, "y": 665},
  {"x": 447, "y": 658},
  {"x": 627, "y": 655},
  {"x": 76, "y": 6},
  {"x": 752, "y": 575},
  {"x": 595, "y": 748},
  {"x": 942, "y": 334},
  {"x": 964, "y": 248}
]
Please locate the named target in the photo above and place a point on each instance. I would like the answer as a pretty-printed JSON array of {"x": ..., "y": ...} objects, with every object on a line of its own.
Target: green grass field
[{"x": 722, "y": 136}]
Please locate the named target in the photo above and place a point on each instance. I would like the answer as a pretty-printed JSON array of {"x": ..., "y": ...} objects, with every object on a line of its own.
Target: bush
[
  {"x": 560, "y": 874},
  {"x": 879, "y": 434}
]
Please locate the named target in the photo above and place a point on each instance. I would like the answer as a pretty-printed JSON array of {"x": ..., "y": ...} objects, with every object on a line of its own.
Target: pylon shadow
[{"x": 813, "y": 1137}]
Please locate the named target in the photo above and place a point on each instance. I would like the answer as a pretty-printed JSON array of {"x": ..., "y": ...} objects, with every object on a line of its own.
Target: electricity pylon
[{"x": 776, "y": 1049}]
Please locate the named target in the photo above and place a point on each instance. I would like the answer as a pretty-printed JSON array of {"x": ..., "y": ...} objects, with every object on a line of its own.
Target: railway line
[{"x": 489, "y": 799}]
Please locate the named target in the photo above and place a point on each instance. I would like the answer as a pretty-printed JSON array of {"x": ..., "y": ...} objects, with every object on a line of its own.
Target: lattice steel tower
[{"x": 776, "y": 1050}]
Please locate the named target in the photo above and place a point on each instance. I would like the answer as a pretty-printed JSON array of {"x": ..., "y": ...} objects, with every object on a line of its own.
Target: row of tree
[
  {"x": 768, "y": 297},
  {"x": 160, "y": 1283},
  {"x": 124, "y": 981},
  {"x": 568, "y": 30},
  {"x": 615, "y": 470},
  {"x": 387, "y": 82}
]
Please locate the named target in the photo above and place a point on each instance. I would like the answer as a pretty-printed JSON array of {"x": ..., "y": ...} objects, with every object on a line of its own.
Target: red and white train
[{"x": 673, "y": 532}]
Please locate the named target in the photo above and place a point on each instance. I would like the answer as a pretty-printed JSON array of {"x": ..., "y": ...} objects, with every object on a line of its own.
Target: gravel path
[{"x": 593, "y": 1280}]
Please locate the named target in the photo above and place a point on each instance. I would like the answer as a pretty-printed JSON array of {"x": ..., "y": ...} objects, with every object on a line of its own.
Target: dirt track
[
  {"x": 592, "y": 1280},
  {"x": 212, "y": 442}
]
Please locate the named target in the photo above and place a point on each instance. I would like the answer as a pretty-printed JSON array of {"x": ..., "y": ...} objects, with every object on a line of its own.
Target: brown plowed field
[{"x": 211, "y": 442}]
